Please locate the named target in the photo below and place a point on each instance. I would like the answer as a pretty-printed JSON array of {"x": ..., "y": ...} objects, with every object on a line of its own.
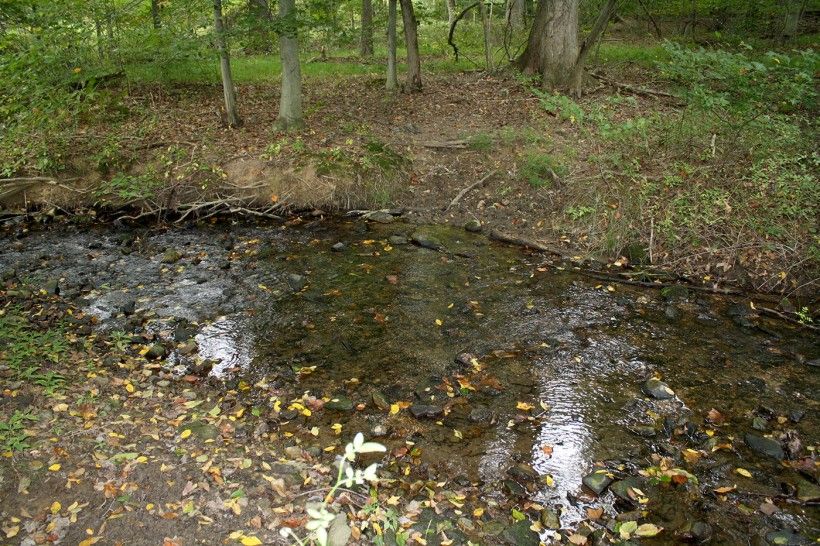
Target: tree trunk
[
  {"x": 515, "y": 14},
  {"x": 366, "y": 43},
  {"x": 290, "y": 100},
  {"x": 794, "y": 12},
  {"x": 392, "y": 80},
  {"x": 586, "y": 46},
  {"x": 411, "y": 41},
  {"x": 225, "y": 65},
  {"x": 552, "y": 48},
  {"x": 155, "y": 13},
  {"x": 485, "y": 22},
  {"x": 451, "y": 12}
]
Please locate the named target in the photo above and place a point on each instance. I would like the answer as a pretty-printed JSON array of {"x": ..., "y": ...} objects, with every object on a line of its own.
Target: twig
[
  {"x": 787, "y": 318},
  {"x": 469, "y": 188},
  {"x": 633, "y": 89},
  {"x": 448, "y": 144}
]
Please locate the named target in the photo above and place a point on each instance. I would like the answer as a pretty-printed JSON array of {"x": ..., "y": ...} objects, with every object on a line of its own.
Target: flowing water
[{"x": 508, "y": 361}]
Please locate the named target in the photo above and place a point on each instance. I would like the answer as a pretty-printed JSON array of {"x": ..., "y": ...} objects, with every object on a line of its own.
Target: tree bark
[
  {"x": 411, "y": 40},
  {"x": 601, "y": 22},
  {"x": 225, "y": 66},
  {"x": 366, "y": 42},
  {"x": 451, "y": 12},
  {"x": 552, "y": 48},
  {"x": 290, "y": 100},
  {"x": 485, "y": 23},
  {"x": 155, "y": 14},
  {"x": 392, "y": 80},
  {"x": 515, "y": 14},
  {"x": 791, "y": 22}
]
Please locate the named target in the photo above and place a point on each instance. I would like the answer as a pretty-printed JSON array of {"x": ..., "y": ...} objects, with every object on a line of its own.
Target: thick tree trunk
[
  {"x": 411, "y": 41},
  {"x": 552, "y": 48},
  {"x": 155, "y": 13},
  {"x": 225, "y": 65},
  {"x": 515, "y": 14},
  {"x": 290, "y": 100},
  {"x": 366, "y": 42},
  {"x": 794, "y": 12},
  {"x": 485, "y": 23},
  {"x": 392, "y": 80},
  {"x": 451, "y": 12}
]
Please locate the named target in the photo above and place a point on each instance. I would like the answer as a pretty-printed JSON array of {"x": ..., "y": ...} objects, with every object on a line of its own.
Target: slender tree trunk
[
  {"x": 485, "y": 22},
  {"x": 451, "y": 12},
  {"x": 411, "y": 41},
  {"x": 225, "y": 65},
  {"x": 552, "y": 48},
  {"x": 98, "y": 33},
  {"x": 366, "y": 43},
  {"x": 794, "y": 12},
  {"x": 392, "y": 80},
  {"x": 598, "y": 27},
  {"x": 515, "y": 14},
  {"x": 290, "y": 100},
  {"x": 155, "y": 13}
]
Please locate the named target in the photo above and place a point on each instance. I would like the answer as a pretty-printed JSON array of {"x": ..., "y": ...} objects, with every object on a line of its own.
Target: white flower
[
  {"x": 360, "y": 446},
  {"x": 369, "y": 473}
]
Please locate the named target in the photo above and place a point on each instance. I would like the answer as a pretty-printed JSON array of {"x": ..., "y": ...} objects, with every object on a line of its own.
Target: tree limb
[{"x": 453, "y": 27}]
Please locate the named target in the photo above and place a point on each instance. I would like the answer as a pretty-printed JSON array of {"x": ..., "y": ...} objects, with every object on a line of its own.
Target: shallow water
[{"x": 279, "y": 304}]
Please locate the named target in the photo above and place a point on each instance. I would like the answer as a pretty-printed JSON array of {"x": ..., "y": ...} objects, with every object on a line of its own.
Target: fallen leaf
[
  {"x": 743, "y": 472},
  {"x": 648, "y": 530}
]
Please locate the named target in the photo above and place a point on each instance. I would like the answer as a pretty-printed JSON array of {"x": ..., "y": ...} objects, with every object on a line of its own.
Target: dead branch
[
  {"x": 526, "y": 243},
  {"x": 788, "y": 318},
  {"x": 634, "y": 89},
  {"x": 469, "y": 188},
  {"x": 452, "y": 144},
  {"x": 453, "y": 27}
]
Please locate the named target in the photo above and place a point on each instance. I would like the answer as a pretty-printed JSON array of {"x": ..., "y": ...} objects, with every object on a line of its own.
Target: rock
[
  {"x": 202, "y": 431},
  {"x": 701, "y": 531},
  {"x": 644, "y": 431},
  {"x": 380, "y": 400},
  {"x": 397, "y": 240},
  {"x": 426, "y": 240},
  {"x": 473, "y": 226},
  {"x": 520, "y": 534},
  {"x": 807, "y": 491},
  {"x": 514, "y": 488},
  {"x": 170, "y": 256},
  {"x": 672, "y": 313},
  {"x": 52, "y": 287},
  {"x": 597, "y": 481},
  {"x": 523, "y": 472},
  {"x": 380, "y": 217},
  {"x": 129, "y": 307},
  {"x": 155, "y": 352},
  {"x": 481, "y": 414},
  {"x": 764, "y": 446},
  {"x": 623, "y": 488},
  {"x": 759, "y": 423},
  {"x": 425, "y": 410},
  {"x": 296, "y": 282},
  {"x": 464, "y": 360},
  {"x": 549, "y": 519},
  {"x": 657, "y": 389},
  {"x": 338, "y": 247},
  {"x": 339, "y": 403},
  {"x": 339, "y": 532},
  {"x": 785, "y": 538}
]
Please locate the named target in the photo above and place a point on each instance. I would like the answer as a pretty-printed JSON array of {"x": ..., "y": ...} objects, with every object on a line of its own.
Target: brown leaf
[
  {"x": 714, "y": 416},
  {"x": 595, "y": 513}
]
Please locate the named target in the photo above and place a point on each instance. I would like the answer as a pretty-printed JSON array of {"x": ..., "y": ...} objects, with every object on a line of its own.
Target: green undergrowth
[{"x": 731, "y": 170}]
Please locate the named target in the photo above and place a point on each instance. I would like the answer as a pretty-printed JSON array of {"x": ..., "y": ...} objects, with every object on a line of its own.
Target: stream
[{"x": 493, "y": 366}]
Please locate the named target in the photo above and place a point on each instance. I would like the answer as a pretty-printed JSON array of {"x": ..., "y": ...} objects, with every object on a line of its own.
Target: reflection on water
[{"x": 224, "y": 342}]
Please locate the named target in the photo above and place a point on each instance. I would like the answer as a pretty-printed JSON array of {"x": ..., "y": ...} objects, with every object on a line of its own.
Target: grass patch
[
  {"x": 28, "y": 351},
  {"x": 541, "y": 170}
]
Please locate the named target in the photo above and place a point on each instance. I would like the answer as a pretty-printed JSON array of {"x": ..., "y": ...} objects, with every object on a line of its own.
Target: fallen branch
[
  {"x": 453, "y": 28},
  {"x": 469, "y": 188},
  {"x": 634, "y": 89},
  {"x": 459, "y": 144},
  {"x": 660, "y": 285},
  {"x": 526, "y": 243},
  {"x": 787, "y": 318}
]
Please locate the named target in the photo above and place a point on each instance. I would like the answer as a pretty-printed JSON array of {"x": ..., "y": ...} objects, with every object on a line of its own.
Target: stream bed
[{"x": 477, "y": 363}]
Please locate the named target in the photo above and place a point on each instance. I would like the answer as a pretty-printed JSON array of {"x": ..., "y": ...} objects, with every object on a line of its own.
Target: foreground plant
[{"x": 322, "y": 515}]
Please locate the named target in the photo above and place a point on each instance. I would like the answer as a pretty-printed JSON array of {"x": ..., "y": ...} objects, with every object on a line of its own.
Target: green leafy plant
[{"x": 13, "y": 436}]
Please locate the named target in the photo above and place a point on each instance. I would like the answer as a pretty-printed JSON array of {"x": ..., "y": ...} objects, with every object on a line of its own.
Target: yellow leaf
[
  {"x": 743, "y": 472},
  {"x": 524, "y": 406},
  {"x": 185, "y": 433},
  {"x": 648, "y": 530},
  {"x": 55, "y": 467},
  {"x": 438, "y": 322},
  {"x": 56, "y": 507},
  {"x": 250, "y": 541},
  {"x": 337, "y": 428},
  {"x": 457, "y": 434},
  {"x": 394, "y": 409},
  {"x": 478, "y": 512},
  {"x": 129, "y": 387},
  {"x": 315, "y": 431}
]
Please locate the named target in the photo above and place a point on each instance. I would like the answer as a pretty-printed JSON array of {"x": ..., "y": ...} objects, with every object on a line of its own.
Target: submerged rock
[
  {"x": 339, "y": 403},
  {"x": 764, "y": 446},
  {"x": 657, "y": 389},
  {"x": 156, "y": 351},
  {"x": 623, "y": 489},
  {"x": 597, "y": 482},
  {"x": 397, "y": 240},
  {"x": 170, "y": 256},
  {"x": 426, "y": 240},
  {"x": 425, "y": 410},
  {"x": 338, "y": 247},
  {"x": 550, "y": 519},
  {"x": 380, "y": 217},
  {"x": 296, "y": 282},
  {"x": 473, "y": 226},
  {"x": 520, "y": 534}
]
